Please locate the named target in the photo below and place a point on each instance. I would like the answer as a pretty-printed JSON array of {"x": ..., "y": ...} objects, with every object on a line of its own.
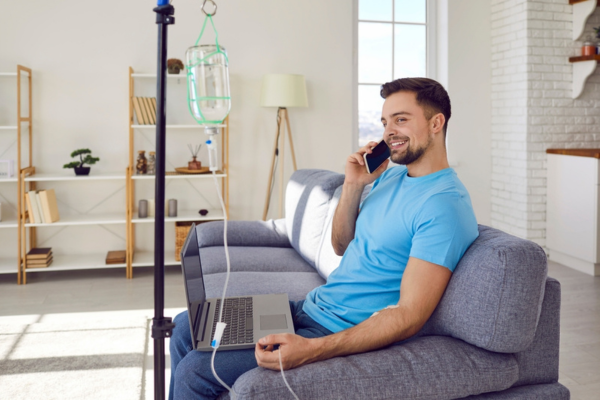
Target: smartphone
[{"x": 380, "y": 153}]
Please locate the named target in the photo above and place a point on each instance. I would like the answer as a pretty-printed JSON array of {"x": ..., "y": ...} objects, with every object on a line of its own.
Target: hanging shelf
[
  {"x": 583, "y": 66},
  {"x": 582, "y": 9}
]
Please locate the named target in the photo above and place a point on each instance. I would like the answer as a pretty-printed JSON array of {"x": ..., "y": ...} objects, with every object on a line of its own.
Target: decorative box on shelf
[{"x": 7, "y": 169}]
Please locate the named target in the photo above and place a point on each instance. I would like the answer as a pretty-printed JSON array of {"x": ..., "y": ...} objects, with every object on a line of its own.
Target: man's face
[{"x": 406, "y": 128}]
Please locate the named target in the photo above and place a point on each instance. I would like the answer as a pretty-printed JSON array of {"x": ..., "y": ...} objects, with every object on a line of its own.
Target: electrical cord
[
  {"x": 283, "y": 375},
  {"x": 220, "y": 324},
  {"x": 217, "y": 340}
]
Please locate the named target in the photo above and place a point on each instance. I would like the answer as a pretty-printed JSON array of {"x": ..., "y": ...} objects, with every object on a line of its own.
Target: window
[{"x": 392, "y": 41}]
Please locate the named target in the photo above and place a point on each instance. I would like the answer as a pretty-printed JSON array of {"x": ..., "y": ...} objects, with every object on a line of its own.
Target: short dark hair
[{"x": 431, "y": 95}]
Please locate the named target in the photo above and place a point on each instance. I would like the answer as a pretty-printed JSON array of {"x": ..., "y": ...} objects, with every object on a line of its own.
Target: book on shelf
[
  {"x": 153, "y": 102},
  {"x": 145, "y": 115},
  {"x": 30, "y": 211},
  {"x": 138, "y": 112},
  {"x": 34, "y": 209},
  {"x": 49, "y": 206},
  {"x": 115, "y": 257},
  {"x": 38, "y": 205},
  {"x": 39, "y": 263},
  {"x": 149, "y": 111},
  {"x": 39, "y": 253},
  {"x": 145, "y": 110}
]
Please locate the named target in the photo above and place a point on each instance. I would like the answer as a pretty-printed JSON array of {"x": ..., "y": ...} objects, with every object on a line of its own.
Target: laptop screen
[{"x": 192, "y": 274}]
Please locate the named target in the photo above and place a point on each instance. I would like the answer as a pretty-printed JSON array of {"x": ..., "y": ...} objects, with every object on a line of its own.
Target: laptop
[{"x": 248, "y": 318}]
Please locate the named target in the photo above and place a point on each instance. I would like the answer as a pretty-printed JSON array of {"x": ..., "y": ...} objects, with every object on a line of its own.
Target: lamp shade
[{"x": 283, "y": 90}]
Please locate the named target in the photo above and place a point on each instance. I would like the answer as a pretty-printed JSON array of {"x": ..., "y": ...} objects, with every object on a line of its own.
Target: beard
[{"x": 410, "y": 155}]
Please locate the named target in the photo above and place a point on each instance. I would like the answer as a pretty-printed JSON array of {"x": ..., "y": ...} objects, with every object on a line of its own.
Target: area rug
[{"x": 75, "y": 356}]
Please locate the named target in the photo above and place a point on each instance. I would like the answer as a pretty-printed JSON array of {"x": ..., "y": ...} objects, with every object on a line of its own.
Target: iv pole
[{"x": 162, "y": 326}]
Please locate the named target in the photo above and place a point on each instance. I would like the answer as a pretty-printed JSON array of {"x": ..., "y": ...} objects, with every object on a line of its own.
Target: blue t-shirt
[{"x": 429, "y": 217}]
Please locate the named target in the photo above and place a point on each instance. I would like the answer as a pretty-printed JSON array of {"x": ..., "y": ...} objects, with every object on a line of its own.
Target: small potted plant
[
  {"x": 174, "y": 66},
  {"x": 78, "y": 165}
]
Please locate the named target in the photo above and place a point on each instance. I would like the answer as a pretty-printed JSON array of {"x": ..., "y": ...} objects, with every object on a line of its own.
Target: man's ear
[{"x": 437, "y": 123}]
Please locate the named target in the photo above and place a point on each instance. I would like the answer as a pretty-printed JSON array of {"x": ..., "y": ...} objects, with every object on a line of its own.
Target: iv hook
[{"x": 214, "y": 5}]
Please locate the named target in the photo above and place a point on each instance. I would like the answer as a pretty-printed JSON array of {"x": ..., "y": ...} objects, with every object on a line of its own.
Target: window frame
[{"x": 430, "y": 62}]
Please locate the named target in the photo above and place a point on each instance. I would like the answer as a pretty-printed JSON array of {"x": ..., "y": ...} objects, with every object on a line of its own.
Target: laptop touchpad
[{"x": 269, "y": 322}]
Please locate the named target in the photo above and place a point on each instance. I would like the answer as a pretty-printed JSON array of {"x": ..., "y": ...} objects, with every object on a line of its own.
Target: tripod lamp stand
[{"x": 281, "y": 91}]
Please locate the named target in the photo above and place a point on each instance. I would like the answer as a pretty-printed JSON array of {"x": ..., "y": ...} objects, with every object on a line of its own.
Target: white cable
[
  {"x": 283, "y": 375},
  {"x": 212, "y": 360}
]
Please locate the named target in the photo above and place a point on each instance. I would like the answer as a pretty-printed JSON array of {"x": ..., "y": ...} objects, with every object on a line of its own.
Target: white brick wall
[{"x": 532, "y": 109}]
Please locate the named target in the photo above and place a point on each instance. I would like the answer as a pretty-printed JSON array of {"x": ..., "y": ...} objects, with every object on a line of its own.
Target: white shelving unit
[
  {"x": 137, "y": 258},
  {"x": 70, "y": 262},
  {"x": 10, "y": 257}
]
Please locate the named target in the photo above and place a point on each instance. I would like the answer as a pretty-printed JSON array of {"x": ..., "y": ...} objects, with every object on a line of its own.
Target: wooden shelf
[
  {"x": 185, "y": 215},
  {"x": 9, "y": 223},
  {"x": 197, "y": 126},
  {"x": 70, "y": 176},
  {"x": 169, "y": 76},
  {"x": 72, "y": 220},
  {"x": 8, "y": 265},
  {"x": 571, "y": 2},
  {"x": 176, "y": 175},
  {"x": 594, "y": 153},
  {"x": 9, "y": 180},
  {"x": 584, "y": 58},
  {"x": 146, "y": 259},
  {"x": 77, "y": 262}
]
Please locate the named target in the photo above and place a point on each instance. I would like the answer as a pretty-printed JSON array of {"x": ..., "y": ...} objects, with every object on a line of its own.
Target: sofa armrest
[{"x": 270, "y": 233}]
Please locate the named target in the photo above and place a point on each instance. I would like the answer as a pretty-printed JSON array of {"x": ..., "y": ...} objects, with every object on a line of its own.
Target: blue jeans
[{"x": 191, "y": 376}]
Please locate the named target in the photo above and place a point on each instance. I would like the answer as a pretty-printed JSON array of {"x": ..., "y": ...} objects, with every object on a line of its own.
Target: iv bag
[{"x": 209, "y": 99}]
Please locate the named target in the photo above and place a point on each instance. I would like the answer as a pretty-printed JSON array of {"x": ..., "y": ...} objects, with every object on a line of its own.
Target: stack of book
[
  {"x": 39, "y": 257},
  {"x": 42, "y": 207},
  {"x": 145, "y": 110}
]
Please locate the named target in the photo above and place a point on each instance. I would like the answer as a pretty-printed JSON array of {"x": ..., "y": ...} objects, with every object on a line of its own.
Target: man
[{"x": 399, "y": 249}]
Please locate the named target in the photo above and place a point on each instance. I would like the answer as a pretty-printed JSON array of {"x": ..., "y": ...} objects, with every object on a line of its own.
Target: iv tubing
[{"x": 212, "y": 360}]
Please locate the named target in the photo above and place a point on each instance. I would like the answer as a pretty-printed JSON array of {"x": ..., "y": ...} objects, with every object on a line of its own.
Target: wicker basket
[{"x": 181, "y": 232}]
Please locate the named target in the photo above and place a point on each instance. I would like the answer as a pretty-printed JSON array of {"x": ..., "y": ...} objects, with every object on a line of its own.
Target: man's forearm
[
  {"x": 344, "y": 219},
  {"x": 388, "y": 327}
]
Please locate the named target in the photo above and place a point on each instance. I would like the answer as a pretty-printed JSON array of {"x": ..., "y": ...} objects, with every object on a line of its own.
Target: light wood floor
[{"x": 109, "y": 291}]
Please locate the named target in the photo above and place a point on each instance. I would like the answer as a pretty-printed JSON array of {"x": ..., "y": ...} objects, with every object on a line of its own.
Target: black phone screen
[{"x": 380, "y": 153}]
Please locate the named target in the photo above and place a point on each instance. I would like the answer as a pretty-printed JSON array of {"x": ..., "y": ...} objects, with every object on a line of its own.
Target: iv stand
[{"x": 162, "y": 326}]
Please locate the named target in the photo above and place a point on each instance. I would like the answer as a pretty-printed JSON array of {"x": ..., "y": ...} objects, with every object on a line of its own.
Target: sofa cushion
[
  {"x": 431, "y": 367},
  {"x": 327, "y": 261},
  {"x": 306, "y": 206},
  {"x": 494, "y": 297},
  {"x": 243, "y": 233},
  {"x": 539, "y": 362},
  {"x": 260, "y": 259},
  {"x": 554, "y": 391},
  {"x": 295, "y": 284}
]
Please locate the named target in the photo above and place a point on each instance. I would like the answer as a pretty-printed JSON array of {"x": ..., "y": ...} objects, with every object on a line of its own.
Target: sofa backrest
[
  {"x": 494, "y": 297},
  {"x": 307, "y": 199}
]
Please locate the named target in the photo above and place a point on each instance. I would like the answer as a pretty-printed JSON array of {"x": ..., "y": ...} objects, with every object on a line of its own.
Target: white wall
[
  {"x": 80, "y": 52},
  {"x": 469, "y": 86}
]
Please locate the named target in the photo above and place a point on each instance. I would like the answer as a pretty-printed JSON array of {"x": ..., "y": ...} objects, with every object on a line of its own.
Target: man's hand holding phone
[{"x": 357, "y": 171}]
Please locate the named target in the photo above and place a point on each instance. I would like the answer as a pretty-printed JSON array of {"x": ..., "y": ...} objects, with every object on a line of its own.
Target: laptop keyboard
[{"x": 237, "y": 314}]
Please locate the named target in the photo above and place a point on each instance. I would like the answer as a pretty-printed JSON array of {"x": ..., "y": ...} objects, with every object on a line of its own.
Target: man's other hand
[
  {"x": 356, "y": 172},
  {"x": 295, "y": 351}
]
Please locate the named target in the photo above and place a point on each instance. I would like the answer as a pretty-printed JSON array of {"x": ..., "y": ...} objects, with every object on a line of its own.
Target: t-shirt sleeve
[{"x": 444, "y": 228}]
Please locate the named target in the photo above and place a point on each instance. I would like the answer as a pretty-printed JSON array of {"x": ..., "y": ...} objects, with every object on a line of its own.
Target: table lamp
[{"x": 281, "y": 91}]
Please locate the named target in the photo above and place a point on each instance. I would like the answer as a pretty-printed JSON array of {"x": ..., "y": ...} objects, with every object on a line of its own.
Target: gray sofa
[{"x": 494, "y": 335}]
